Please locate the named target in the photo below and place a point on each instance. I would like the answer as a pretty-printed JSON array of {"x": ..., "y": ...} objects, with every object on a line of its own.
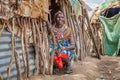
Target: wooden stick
[
  {"x": 16, "y": 55},
  {"x": 78, "y": 37},
  {"x": 80, "y": 57},
  {"x": 26, "y": 47},
  {"x": 47, "y": 56},
  {"x": 21, "y": 24},
  {"x": 1, "y": 77},
  {"x": 23, "y": 53},
  {"x": 2, "y": 30},
  {"x": 84, "y": 35},
  {"x": 13, "y": 52},
  {"x": 17, "y": 60},
  {"x": 41, "y": 48},
  {"x": 53, "y": 51},
  {"x": 41, "y": 55},
  {"x": 75, "y": 32},
  {"x": 36, "y": 49}
]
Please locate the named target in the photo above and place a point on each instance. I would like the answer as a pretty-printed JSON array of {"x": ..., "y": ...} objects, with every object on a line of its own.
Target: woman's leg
[
  {"x": 55, "y": 69},
  {"x": 68, "y": 65}
]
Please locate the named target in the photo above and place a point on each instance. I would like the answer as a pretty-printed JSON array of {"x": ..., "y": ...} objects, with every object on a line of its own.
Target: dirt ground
[{"x": 108, "y": 68}]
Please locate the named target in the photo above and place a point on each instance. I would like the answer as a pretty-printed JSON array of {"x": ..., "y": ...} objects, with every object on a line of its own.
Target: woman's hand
[
  {"x": 71, "y": 47},
  {"x": 63, "y": 48}
]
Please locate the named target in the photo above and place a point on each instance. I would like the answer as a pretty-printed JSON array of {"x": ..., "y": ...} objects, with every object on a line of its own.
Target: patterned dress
[{"x": 66, "y": 34}]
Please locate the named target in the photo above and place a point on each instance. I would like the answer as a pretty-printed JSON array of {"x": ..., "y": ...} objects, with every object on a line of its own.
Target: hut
[
  {"x": 24, "y": 45},
  {"x": 104, "y": 22}
]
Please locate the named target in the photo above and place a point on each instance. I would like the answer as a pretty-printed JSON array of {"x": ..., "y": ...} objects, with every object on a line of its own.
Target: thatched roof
[{"x": 26, "y": 8}]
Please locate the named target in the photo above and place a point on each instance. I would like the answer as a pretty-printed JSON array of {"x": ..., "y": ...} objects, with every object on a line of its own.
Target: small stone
[{"x": 100, "y": 79}]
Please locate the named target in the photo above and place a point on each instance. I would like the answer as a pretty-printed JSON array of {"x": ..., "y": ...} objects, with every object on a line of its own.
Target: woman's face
[{"x": 60, "y": 19}]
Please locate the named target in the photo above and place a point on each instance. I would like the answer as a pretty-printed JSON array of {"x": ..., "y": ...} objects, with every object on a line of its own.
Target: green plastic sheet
[
  {"x": 75, "y": 5},
  {"x": 111, "y": 28}
]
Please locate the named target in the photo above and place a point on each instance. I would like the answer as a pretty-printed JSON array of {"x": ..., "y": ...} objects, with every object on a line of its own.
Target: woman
[{"x": 65, "y": 42}]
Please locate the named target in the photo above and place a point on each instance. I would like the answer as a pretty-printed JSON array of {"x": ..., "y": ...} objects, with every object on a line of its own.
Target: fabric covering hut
[
  {"x": 24, "y": 45},
  {"x": 105, "y": 25}
]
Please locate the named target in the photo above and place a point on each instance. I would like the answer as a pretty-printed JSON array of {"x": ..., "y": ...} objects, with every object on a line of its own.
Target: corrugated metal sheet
[{"x": 6, "y": 52}]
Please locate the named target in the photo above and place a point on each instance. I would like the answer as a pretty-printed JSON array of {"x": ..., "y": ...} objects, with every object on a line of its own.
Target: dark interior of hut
[
  {"x": 53, "y": 7},
  {"x": 111, "y": 12}
]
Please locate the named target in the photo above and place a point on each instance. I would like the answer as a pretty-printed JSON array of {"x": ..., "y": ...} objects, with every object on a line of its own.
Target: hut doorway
[{"x": 53, "y": 7}]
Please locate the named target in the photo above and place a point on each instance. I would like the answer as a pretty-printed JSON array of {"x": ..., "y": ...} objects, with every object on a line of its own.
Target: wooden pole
[
  {"x": 21, "y": 24},
  {"x": 36, "y": 49},
  {"x": 26, "y": 46},
  {"x": 23, "y": 53},
  {"x": 1, "y": 77},
  {"x": 17, "y": 60},
  {"x": 41, "y": 46},
  {"x": 13, "y": 51},
  {"x": 53, "y": 51}
]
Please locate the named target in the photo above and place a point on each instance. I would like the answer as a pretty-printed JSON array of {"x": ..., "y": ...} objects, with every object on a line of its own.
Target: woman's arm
[{"x": 71, "y": 46}]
